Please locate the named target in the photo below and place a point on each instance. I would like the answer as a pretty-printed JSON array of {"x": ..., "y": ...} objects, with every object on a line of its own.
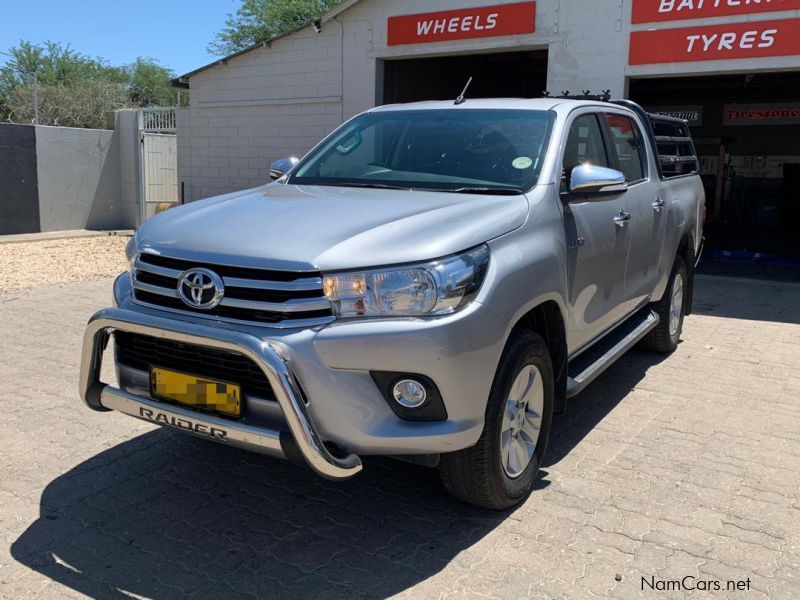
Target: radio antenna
[{"x": 461, "y": 99}]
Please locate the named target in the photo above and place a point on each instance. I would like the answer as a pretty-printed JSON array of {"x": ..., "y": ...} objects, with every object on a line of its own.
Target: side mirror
[
  {"x": 281, "y": 167},
  {"x": 596, "y": 181}
]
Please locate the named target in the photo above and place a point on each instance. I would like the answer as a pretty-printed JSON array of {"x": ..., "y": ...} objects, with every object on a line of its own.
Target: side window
[
  {"x": 626, "y": 138},
  {"x": 585, "y": 144}
]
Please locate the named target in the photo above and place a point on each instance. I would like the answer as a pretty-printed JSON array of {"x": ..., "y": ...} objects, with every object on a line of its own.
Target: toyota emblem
[{"x": 201, "y": 289}]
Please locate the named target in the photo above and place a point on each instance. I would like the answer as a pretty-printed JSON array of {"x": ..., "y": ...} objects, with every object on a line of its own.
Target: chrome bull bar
[{"x": 302, "y": 434}]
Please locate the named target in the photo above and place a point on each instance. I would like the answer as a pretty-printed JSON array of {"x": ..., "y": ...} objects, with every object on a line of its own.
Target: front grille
[
  {"x": 142, "y": 351},
  {"x": 261, "y": 296}
]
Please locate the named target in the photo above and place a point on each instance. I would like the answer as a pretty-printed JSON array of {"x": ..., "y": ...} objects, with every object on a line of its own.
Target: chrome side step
[{"x": 588, "y": 366}]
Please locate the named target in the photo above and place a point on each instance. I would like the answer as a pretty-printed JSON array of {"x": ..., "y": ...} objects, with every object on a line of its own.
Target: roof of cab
[{"x": 493, "y": 103}]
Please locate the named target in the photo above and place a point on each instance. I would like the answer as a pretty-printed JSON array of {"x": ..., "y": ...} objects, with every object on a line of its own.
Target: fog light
[{"x": 409, "y": 393}]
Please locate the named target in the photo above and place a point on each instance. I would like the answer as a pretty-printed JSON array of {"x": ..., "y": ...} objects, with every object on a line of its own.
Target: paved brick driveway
[{"x": 663, "y": 468}]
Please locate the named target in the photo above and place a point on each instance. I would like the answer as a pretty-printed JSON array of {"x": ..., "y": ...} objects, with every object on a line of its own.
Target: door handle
[
  {"x": 622, "y": 218},
  {"x": 658, "y": 204}
]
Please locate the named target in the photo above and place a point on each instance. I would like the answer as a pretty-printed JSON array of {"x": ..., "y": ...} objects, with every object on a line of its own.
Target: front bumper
[
  {"x": 325, "y": 394},
  {"x": 302, "y": 437}
]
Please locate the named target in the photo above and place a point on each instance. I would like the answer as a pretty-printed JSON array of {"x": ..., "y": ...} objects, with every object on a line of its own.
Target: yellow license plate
[{"x": 198, "y": 392}]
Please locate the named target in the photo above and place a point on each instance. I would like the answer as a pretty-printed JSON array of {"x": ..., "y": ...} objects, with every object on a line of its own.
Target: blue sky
[{"x": 174, "y": 32}]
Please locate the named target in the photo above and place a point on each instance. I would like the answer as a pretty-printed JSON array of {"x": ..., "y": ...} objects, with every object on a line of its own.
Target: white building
[{"x": 731, "y": 66}]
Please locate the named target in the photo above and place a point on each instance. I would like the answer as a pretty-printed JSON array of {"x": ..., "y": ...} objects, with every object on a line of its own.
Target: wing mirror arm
[{"x": 282, "y": 167}]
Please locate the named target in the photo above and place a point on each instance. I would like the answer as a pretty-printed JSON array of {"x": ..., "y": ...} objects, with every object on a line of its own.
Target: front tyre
[
  {"x": 671, "y": 310},
  {"x": 499, "y": 471}
]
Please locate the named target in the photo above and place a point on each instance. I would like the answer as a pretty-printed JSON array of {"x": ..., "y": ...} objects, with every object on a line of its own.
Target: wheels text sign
[
  {"x": 755, "y": 39},
  {"x": 481, "y": 22}
]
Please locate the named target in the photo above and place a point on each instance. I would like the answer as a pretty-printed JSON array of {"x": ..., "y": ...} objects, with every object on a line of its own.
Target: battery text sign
[
  {"x": 716, "y": 42},
  {"x": 490, "y": 21},
  {"x": 652, "y": 11}
]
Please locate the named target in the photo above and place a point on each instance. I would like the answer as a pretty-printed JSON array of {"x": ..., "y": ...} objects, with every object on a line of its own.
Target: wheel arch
[
  {"x": 547, "y": 320},
  {"x": 686, "y": 250},
  {"x": 684, "y": 246}
]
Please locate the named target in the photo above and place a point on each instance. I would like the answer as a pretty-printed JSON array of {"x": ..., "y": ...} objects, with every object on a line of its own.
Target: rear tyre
[
  {"x": 671, "y": 310},
  {"x": 499, "y": 471}
]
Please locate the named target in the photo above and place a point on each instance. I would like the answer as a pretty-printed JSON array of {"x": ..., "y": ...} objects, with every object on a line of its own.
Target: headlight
[{"x": 437, "y": 288}]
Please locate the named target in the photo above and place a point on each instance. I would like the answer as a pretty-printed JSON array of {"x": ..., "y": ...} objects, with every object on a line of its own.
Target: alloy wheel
[{"x": 522, "y": 421}]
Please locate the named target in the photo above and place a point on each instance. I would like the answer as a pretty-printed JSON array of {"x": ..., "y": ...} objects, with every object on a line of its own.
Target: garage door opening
[
  {"x": 746, "y": 128},
  {"x": 500, "y": 75}
]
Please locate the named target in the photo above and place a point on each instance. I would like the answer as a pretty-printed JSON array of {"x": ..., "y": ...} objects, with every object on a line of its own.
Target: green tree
[
  {"x": 260, "y": 20},
  {"x": 148, "y": 84},
  {"x": 82, "y": 103},
  {"x": 49, "y": 64},
  {"x": 74, "y": 90}
]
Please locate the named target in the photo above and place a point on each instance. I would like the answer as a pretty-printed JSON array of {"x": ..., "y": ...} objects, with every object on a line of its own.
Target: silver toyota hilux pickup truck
[{"x": 432, "y": 282}]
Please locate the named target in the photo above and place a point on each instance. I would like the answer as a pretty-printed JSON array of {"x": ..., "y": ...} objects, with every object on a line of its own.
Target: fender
[{"x": 685, "y": 198}]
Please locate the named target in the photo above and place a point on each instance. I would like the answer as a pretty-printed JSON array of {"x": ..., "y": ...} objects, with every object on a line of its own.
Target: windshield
[{"x": 463, "y": 150}]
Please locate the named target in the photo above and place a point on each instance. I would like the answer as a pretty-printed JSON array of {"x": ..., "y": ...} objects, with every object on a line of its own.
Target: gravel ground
[{"x": 32, "y": 264}]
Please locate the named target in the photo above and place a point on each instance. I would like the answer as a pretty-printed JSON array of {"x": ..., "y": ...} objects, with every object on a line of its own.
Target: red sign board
[
  {"x": 462, "y": 24},
  {"x": 756, "y": 39},
  {"x": 652, "y": 11}
]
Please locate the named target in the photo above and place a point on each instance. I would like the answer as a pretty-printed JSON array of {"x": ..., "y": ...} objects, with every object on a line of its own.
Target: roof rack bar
[
  {"x": 603, "y": 96},
  {"x": 669, "y": 139},
  {"x": 671, "y": 159},
  {"x": 668, "y": 119}
]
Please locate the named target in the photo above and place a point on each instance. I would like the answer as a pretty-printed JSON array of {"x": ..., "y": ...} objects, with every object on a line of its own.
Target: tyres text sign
[
  {"x": 480, "y": 22},
  {"x": 653, "y": 11},
  {"x": 755, "y": 39}
]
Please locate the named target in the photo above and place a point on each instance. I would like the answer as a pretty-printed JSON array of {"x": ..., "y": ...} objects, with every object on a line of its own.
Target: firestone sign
[
  {"x": 481, "y": 22},
  {"x": 654, "y": 11},
  {"x": 786, "y": 113},
  {"x": 755, "y": 39},
  {"x": 692, "y": 114}
]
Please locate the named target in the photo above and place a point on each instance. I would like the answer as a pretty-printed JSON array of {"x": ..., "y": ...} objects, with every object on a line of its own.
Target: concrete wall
[
  {"x": 78, "y": 179},
  {"x": 281, "y": 99},
  {"x": 264, "y": 105},
  {"x": 58, "y": 178},
  {"x": 183, "y": 121},
  {"x": 19, "y": 193},
  {"x": 126, "y": 127}
]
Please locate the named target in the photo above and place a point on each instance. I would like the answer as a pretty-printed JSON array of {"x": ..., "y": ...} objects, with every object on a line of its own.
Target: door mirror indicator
[
  {"x": 596, "y": 181},
  {"x": 282, "y": 167}
]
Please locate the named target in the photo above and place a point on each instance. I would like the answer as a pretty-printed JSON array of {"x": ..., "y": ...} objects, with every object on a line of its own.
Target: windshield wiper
[
  {"x": 460, "y": 190},
  {"x": 485, "y": 190},
  {"x": 379, "y": 186}
]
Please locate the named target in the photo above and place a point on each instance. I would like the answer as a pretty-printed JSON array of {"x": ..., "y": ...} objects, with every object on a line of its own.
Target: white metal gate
[{"x": 158, "y": 160}]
